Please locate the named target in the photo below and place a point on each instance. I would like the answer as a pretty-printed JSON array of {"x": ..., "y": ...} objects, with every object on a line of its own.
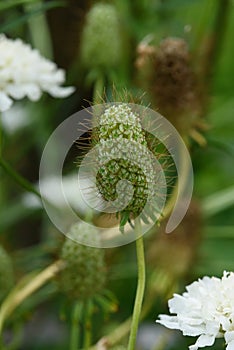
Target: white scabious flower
[
  {"x": 25, "y": 73},
  {"x": 206, "y": 310}
]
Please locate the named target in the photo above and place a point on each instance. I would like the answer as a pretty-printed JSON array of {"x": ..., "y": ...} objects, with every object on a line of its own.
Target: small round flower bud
[
  {"x": 101, "y": 42},
  {"x": 84, "y": 273},
  {"x": 6, "y": 273}
]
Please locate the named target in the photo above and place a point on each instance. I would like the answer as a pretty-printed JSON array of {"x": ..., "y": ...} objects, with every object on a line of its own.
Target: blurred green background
[{"x": 207, "y": 234}]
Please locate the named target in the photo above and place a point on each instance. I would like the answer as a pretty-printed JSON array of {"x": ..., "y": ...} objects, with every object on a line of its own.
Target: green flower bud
[
  {"x": 6, "y": 273},
  {"x": 123, "y": 158},
  {"x": 101, "y": 42},
  {"x": 84, "y": 272}
]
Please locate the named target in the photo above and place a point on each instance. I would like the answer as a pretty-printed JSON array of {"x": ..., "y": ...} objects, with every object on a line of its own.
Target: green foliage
[
  {"x": 6, "y": 273},
  {"x": 106, "y": 54},
  {"x": 8, "y": 26}
]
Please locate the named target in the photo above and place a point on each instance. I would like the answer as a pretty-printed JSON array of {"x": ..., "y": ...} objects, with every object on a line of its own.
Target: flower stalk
[
  {"x": 87, "y": 325},
  {"x": 140, "y": 285},
  {"x": 74, "y": 343},
  {"x": 18, "y": 295}
]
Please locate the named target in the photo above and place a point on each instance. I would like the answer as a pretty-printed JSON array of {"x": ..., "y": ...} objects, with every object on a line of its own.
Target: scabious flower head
[
  {"x": 101, "y": 42},
  {"x": 206, "y": 310},
  {"x": 6, "y": 273},
  {"x": 25, "y": 73},
  {"x": 124, "y": 158},
  {"x": 84, "y": 273}
]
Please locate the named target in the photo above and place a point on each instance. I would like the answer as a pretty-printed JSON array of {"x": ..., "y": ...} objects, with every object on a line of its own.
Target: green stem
[
  {"x": 1, "y": 137},
  {"x": 74, "y": 342},
  {"x": 216, "y": 40},
  {"x": 87, "y": 325},
  {"x": 38, "y": 29},
  {"x": 140, "y": 285},
  {"x": 18, "y": 178},
  {"x": 158, "y": 285}
]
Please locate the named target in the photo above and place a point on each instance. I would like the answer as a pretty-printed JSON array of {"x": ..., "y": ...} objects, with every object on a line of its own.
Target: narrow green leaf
[
  {"x": 124, "y": 218},
  {"x": 5, "y": 5},
  {"x": 45, "y": 7},
  {"x": 218, "y": 201}
]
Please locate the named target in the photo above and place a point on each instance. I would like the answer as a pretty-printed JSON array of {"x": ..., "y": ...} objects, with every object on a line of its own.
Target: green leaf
[
  {"x": 5, "y": 5},
  {"x": 45, "y": 7},
  {"x": 221, "y": 232},
  {"x": 220, "y": 145},
  {"x": 123, "y": 221},
  {"x": 218, "y": 201}
]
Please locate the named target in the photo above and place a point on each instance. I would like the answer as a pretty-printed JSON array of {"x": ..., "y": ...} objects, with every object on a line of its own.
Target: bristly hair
[{"x": 91, "y": 137}]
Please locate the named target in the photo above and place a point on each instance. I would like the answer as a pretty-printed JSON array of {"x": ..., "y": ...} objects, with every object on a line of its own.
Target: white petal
[
  {"x": 15, "y": 91},
  {"x": 229, "y": 336},
  {"x": 169, "y": 321},
  {"x": 5, "y": 102},
  {"x": 193, "y": 347},
  {"x": 176, "y": 304},
  {"x": 230, "y": 346},
  {"x": 202, "y": 341},
  {"x": 212, "y": 327},
  {"x": 193, "y": 321},
  {"x": 55, "y": 77},
  {"x": 32, "y": 91},
  {"x": 192, "y": 330},
  {"x": 57, "y": 91},
  {"x": 225, "y": 322}
]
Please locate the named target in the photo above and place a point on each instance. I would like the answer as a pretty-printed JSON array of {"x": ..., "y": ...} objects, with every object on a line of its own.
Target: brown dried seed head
[{"x": 173, "y": 84}]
